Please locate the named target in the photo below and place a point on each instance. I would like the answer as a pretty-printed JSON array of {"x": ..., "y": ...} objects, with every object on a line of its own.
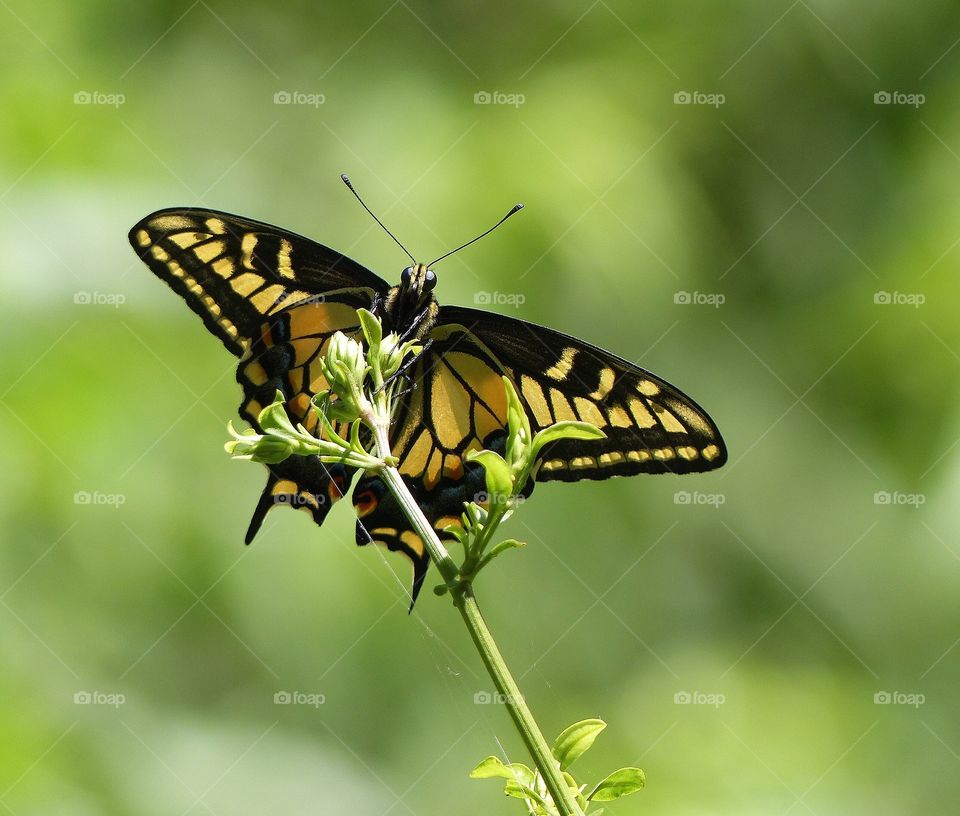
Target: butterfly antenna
[
  {"x": 350, "y": 186},
  {"x": 516, "y": 208}
]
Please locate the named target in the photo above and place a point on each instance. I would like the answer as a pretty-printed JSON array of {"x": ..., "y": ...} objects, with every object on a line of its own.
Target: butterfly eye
[
  {"x": 406, "y": 276},
  {"x": 429, "y": 280}
]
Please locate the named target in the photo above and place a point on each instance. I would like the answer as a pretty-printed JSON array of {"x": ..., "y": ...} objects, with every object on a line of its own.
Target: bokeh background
[{"x": 755, "y": 200}]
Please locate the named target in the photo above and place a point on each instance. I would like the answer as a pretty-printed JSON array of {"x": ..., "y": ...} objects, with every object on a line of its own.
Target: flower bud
[
  {"x": 345, "y": 366},
  {"x": 345, "y": 357},
  {"x": 391, "y": 355},
  {"x": 519, "y": 434},
  {"x": 266, "y": 448}
]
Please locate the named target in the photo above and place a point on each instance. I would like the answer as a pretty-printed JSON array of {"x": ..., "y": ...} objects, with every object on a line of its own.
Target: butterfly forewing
[
  {"x": 274, "y": 299},
  {"x": 650, "y": 426},
  {"x": 236, "y": 273}
]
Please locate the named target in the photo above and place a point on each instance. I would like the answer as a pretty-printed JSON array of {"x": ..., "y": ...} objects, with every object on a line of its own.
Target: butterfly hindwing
[
  {"x": 302, "y": 483},
  {"x": 455, "y": 403},
  {"x": 286, "y": 355}
]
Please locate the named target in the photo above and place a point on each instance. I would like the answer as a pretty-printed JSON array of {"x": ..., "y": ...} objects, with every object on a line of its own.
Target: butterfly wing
[
  {"x": 235, "y": 273},
  {"x": 458, "y": 405},
  {"x": 274, "y": 299},
  {"x": 650, "y": 425}
]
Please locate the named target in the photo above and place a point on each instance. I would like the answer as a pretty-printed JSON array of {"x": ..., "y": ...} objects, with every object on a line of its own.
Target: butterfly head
[
  {"x": 411, "y": 304},
  {"x": 419, "y": 281}
]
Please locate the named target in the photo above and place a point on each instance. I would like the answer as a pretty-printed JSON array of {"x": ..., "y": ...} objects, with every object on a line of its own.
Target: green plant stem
[
  {"x": 438, "y": 553},
  {"x": 530, "y": 732},
  {"x": 496, "y": 666}
]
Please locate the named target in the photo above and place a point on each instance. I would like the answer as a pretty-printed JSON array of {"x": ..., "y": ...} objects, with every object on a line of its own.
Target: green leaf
[
  {"x": 525, "y": 792},
  {"x": 493, "y": 768},
  {"x": 372, "y": 329},
  {"x": 497, "y": 549},
  {"x": 503, "y": 546},
  {"x": 575, "y": 741},
  {"x": 565, "y": 430},
  {"x": 574, "y": 788},
  {"x": 619, "y": 783},
  {"x": 518, "y": 791},
  {"x": 274, "y": 417},
  {"x": 497, "y": 473}
]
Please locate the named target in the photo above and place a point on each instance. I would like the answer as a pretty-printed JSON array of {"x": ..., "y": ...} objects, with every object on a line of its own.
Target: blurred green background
[{"x": 712, "y": 190}]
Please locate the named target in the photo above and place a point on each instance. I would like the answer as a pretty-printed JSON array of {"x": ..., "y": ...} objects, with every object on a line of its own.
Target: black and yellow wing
[
  {"x": 236, "y": 273},
  {"x": 458, "y": 405},
  {"x": 650, "y": 425},
  {"x": 274, "y": 299}
]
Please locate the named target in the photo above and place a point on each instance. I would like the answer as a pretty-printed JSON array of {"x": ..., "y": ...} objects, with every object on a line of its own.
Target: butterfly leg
[
  {"x": 403, "y": 372},
  {"x": 415, "y": 325}
]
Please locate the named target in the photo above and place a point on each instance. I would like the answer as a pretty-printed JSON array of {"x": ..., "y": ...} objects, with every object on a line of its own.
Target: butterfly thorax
[{"x": 409, "y": 308}]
